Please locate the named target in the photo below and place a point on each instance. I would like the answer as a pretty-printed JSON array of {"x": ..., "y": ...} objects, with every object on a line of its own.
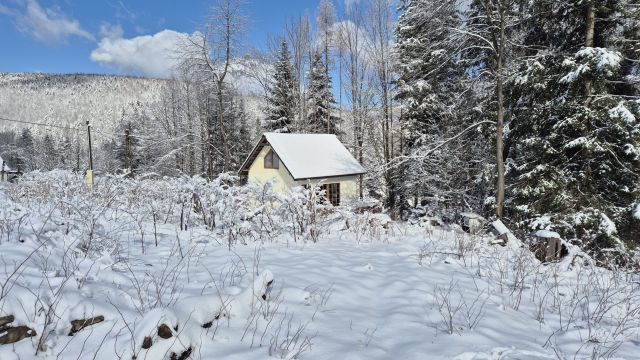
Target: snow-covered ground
[{"x": 249, "y": 282}]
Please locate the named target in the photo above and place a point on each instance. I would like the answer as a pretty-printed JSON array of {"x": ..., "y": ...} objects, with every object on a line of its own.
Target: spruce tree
[
  {"x": 321, "y": 99},
  {"x": 281, "y": 99},
  {"x": 26, "y": 151},
  {"x": 436, "y": 105},
  {"x": 49, "y": 158},
  {"x": 574, "y": 135}
]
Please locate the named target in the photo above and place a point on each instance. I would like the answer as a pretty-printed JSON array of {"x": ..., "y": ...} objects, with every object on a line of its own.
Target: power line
[{"x": 39, "y": 124}]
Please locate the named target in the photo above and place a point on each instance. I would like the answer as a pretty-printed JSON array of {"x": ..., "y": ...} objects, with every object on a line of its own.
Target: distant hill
[{"x": 69, "y": 100}]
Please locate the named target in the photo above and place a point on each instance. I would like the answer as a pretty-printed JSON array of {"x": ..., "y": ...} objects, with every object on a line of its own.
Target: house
[
  {"x": 303, "y": 160},
  {"x": 6, "y": 174}
]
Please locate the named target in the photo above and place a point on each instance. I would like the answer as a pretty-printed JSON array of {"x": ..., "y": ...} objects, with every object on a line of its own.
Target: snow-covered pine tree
[
  {"x": 67, "y": 153},
  {"x": 574, "y": 135},
  {"x": 321, "y": 101},
  {"x": 26, "y": 151},
  {"x": 49, "y": 158},
  {"x": 127, "y": 147},
  {"x": 281, "y": 100},
  {"x": 241, "y": 137},
  {"x": 437, "y": 105}
]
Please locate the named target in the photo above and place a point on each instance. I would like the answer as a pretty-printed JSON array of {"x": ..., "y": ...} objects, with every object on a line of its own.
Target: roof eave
[{"x": 329, "y": 176}]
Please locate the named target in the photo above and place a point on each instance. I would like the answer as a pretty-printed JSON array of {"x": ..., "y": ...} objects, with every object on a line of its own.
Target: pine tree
[
  {"x": 244, "y": 135},
  {"x": 574, "y": 153},
  {"x": 49, "y": 158},
  {"x": 281, "y": 100},
  {"x": 128, "y": 150},
  {"x": 321, "y": 101},
  {"x": 67, "y": 154},
  {"x": 436, "y": 104},
  {"x": 26, "y": 151}
]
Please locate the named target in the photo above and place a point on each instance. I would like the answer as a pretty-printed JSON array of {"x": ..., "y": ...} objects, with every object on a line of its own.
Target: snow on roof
[
  {"x": 471, "y": 215},
  {"x": 309, "y": 156},
  {"x": 547, "y": 234},
  {"x": 500, "y": 227}
]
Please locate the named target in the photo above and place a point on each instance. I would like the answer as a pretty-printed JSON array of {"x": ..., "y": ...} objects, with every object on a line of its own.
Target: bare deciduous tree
[{"x": 211, "y": 53}]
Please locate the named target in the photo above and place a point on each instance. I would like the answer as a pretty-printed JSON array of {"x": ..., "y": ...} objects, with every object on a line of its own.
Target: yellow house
[{"x": 304, "y": 159}]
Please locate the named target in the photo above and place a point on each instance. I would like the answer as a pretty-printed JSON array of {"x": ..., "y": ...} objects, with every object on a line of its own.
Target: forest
[
  {"x": 498, "y": 218},
  {"x": 524, "y": 110}
]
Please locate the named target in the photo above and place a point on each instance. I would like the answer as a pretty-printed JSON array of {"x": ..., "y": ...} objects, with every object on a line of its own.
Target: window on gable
[{"x": 271, "y": 160}]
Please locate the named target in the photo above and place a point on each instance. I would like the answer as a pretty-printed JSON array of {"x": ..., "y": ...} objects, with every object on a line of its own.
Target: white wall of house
[{"x": 284, "y": 181}]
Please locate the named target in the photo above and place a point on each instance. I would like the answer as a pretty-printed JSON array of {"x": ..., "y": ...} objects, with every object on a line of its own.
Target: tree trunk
[
  {"x": 223, "y": 135},
  {"x": 589, "y": 34},
  {"x": 500, "y": 121},
  {"x": 588, "y": 86}
]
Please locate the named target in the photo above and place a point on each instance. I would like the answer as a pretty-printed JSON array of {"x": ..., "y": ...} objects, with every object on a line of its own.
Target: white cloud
[
  {"x": 49, "y": 25},
  {"x": 111, "y": 31},
  {"x": 149, "y": 55}
]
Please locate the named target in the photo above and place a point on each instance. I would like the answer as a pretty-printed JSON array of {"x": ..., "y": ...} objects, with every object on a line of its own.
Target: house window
[
  {"x": 271, "y": 160},
  {"x": 332, "y": 193}
]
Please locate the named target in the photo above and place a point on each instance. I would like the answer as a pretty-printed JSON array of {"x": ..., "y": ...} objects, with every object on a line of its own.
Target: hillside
[{"x": 69, "y": 100}]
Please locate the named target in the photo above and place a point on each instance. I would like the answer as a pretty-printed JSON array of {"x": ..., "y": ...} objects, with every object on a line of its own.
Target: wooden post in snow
[{"x": 90, "y": 171}]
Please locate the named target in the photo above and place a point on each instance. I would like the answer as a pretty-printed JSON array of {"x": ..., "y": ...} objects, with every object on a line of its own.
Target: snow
[
  {"x": 636, "y": 211},
  {"x": 621, "y": 112},
  {"x": 604, "y": 60},
  {"x": 607, "y": 226},
  {"x": 471, "y": 215},
  {"x": 308, "y": 156},
  {"x": 3, "y": 165},
  {"x": 500, "y": 227},
  {"x": 359, "y": 292},
  {"x": 547, "y": 234}
]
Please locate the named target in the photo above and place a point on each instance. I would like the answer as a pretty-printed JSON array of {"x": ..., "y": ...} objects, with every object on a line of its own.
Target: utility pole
[
  {"x": 90, "y": 171},
  {"x": 127, "y": 164},
  {"x": 127, "y": 153}
]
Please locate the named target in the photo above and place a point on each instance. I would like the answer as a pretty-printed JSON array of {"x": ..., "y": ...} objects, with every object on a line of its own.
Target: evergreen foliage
[
  {"x": 432, "y": 83},
  {"x": 321, "y": 100},
  {"x": 574, "y": 158},
  {"x": 281, "y": 100}
]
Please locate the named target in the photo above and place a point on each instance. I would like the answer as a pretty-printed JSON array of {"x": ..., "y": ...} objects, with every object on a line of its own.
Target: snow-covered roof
[
  {"x": 309, "y": 156},
  {"x": 547, "y": 234},
  {"x": 471, "y": 215},
  {"x": 500, "y": 227}
]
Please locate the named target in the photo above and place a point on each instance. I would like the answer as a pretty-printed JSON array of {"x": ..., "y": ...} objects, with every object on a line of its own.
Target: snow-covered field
[{"x": 242, "y": 273}]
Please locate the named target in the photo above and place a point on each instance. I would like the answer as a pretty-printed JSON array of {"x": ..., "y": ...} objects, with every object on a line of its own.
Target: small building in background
[
  {"x": 548, "y": 246},
  {"x": 6, "y": 173},
  {"x": 304, "y": 160}
]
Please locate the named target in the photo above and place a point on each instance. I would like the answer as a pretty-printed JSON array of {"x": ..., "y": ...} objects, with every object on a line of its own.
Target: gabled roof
[{"x": 308, "y": 156}]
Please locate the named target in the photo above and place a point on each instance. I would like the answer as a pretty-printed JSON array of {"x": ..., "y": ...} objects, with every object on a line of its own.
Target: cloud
[
  {"x": 111, "y": 31},
  {"x": 48, "y": 25},
  {"x": 148, "y": 55}
]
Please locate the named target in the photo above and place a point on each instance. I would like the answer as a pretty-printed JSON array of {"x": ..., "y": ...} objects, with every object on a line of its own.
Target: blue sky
[{"x": 117, "y": 36}]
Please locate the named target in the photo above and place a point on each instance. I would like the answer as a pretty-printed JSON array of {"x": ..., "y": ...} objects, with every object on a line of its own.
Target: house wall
[
  {"x": 284, "y": 180},
  {"x": 348, "y": 186},
  {"x": 260, "y": 175}
]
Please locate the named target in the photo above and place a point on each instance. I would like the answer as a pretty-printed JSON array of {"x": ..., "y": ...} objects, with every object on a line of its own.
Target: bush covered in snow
[{"x": 182, "y": 268}]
